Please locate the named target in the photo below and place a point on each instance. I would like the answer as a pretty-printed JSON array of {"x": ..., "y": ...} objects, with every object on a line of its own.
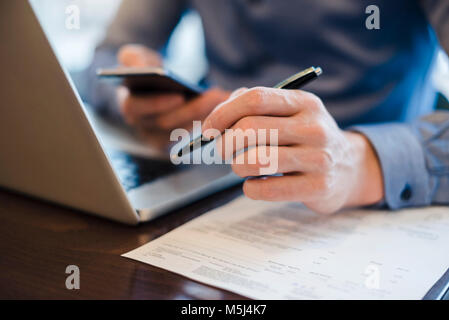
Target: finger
[
  {"x": 134, "y": 55},
  {"x": 151, "y": 123},
  {"x": 263, "y": 130},
  {"x": 122, "y": 95},
  {"x": 257, "y": 130},
  {"x": 260, "y": 101},
  {"x": 294, "y": 187},
  {"x": 138, "y": 106},
  {"x": 268, "y": 160},
  {"x": 237, "y": 92},
  {"x": 195, "y": 109},
  {"x": 147, "y": 123}
]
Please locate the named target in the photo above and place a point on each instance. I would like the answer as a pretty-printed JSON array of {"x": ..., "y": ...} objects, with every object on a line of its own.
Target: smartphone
[{"x": 150, "y": 80}]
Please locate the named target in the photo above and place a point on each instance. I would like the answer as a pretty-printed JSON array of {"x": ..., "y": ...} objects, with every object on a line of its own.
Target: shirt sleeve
[
  {"x": 146, "y": 22},
  {"x": 414, "y": 159}
]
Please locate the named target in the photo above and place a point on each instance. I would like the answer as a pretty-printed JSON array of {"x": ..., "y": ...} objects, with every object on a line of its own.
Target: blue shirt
[{"x": 375, "y": 81}]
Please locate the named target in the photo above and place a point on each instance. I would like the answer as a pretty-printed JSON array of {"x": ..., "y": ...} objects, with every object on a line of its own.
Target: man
[{"x": 375, "y": 83}]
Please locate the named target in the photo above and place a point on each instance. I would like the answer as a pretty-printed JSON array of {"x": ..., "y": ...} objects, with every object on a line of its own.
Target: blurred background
[{"x": 185, "y": 54}]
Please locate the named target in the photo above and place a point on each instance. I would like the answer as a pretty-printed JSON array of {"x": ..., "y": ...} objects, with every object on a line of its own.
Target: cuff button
[{"x": 406, "y": 194}]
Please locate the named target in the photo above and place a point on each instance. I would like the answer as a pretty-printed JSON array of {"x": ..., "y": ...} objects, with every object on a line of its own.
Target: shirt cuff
[{"x": 401, "y": 156}]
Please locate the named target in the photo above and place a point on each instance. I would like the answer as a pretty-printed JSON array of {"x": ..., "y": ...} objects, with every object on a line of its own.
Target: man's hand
[
  {"x": 162, "y": 112},
  {"x": 321, "y": 165}
]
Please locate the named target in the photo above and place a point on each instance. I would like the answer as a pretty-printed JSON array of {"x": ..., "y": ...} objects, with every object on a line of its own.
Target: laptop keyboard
[{"x": 134, "y": 171}]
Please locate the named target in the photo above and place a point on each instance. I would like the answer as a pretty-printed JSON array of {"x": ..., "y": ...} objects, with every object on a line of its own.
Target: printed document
[{"x": 266, "y": 250}]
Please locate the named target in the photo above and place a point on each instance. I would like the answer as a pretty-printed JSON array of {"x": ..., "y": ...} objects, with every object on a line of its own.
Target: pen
[{"x": 296, "y": 81}]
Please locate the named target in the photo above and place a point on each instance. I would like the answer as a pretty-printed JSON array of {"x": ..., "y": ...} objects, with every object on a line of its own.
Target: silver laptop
[{"x": 49, "y": 148}]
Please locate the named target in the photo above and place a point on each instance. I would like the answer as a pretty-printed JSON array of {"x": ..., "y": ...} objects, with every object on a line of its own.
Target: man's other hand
[{"x": 161, "y": 112}]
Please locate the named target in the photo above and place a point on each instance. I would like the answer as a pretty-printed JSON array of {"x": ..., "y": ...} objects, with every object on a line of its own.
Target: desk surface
[{"x": 39, "y": 240}]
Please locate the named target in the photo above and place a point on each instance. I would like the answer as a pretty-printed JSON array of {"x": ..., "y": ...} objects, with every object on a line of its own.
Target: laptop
[{"x": 49, "y": 147}]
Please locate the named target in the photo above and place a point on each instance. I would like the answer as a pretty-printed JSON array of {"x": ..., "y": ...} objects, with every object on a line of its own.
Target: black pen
[{"x": 296, "y": 81}]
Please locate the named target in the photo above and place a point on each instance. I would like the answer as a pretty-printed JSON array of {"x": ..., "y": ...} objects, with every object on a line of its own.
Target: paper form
[{"x": 266, "y": 250}]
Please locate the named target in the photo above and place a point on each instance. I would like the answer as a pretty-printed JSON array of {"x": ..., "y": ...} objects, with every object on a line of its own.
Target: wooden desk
[{"x": 39, "y": 240}]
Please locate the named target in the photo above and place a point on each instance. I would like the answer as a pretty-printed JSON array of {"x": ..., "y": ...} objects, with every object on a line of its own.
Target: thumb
[{"x": 134, "y": 55}]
